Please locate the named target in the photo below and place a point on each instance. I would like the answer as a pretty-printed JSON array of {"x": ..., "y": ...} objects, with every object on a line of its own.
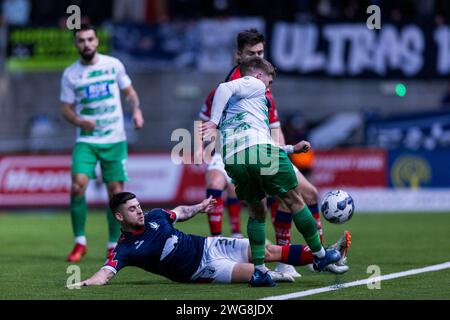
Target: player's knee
[
  {"x": 293, "y": 200},
  {"x": 114, "y": 188},
  {"x": 311, "y": 195},
  {"x": 78, "y": 188},
  {"x": 231, "y": 191},
  {"x": 216, "y": 181}
]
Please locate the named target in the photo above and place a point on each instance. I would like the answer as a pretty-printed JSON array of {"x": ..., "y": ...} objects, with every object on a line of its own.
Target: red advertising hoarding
[
  {"x": 349, "y": 168},
  {"x": 44, "y": 180}
]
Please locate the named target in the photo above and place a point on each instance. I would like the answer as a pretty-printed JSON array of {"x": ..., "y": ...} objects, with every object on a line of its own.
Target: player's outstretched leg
[
  {"x": 256, "y": 230},
  {"x": 113, "y": 233},
  {"x": 273, "y": 204},
  {"x": 215, "y": 183},
  {"x": 314, "y": 208},
  {"x": 311, "y": 197},
  {"x": 114, "y": 187},
  {"x": 234, "y": 211},
  {"x": 307, "y": 226},
  {"x": 342, "y": 245},
  {"x": 78, "y": 213},
  {"x": 215, "y": 215},
  {"x": 300, "y": 255},
  {"x": 282, "y": 222}
]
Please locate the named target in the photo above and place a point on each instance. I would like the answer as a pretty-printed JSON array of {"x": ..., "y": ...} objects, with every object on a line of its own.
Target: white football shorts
[
  {"x": 217, "y": 164},
  {"x": 220, "y": 254}
]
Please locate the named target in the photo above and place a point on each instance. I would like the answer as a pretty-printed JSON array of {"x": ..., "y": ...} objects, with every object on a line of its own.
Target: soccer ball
[{"x": 337, "y": 206}]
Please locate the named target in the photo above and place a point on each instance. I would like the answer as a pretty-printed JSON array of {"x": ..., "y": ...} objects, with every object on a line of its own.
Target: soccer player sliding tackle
[{"x": 149, "y": 241}]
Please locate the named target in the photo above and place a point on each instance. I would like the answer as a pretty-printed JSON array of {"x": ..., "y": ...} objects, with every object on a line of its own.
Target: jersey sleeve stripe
[
  {"x": 274, "y": 125},
  {"x": 173, "y": 215}
]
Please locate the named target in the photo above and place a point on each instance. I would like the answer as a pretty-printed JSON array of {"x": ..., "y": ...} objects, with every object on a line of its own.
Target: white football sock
[
  {"x": 81, "y": 240},
  {"x": 320, "y": 254},
  {"x": 111, "y": 245},
  {"x": 262, "y": 268}
]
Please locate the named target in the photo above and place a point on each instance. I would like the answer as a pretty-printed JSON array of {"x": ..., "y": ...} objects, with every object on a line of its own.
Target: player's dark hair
[
  {"x": 85, "y": 27},
  {"x": 249, "y": 37},
  {"x": 119, "y": 199},
  {"x": 253, "y": 63}
]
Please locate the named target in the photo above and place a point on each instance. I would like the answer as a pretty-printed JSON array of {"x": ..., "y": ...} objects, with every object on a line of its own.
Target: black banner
[{"x": 354, "y": 50}]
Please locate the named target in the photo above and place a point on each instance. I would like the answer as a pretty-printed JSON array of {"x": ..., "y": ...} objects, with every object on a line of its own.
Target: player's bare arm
[
  {"x": 71, "y": 116},
  {"x": 187, "y": 212},
  {"x": 278, "y": 136},
  {"x": 132, "y": 99},
  {"x": 100, "y": 278},
  {"x": 199, "y": 143}
]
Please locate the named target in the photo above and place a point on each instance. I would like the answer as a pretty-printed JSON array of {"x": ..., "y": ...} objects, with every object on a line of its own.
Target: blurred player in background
[
  {"x": 90, "y": 96},
  {"x": 251, "y": 43},
  {"x": 149, "y": 241}
]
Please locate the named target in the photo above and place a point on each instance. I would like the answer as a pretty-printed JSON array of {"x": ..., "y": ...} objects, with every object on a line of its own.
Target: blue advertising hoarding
[{"x": 419, "y": 169}]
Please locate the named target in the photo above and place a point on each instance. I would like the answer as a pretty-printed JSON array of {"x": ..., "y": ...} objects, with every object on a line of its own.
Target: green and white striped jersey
[
  {"x": 240, "y": 111},
  {"x": 95, "y": 92}
]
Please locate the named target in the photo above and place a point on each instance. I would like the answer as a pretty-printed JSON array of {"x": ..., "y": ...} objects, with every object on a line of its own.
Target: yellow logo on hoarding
[{"x": 410, "y": 172}]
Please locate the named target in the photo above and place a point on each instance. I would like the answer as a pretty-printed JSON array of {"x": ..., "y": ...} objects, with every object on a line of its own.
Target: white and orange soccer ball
[{"x": 337, "y": 206}]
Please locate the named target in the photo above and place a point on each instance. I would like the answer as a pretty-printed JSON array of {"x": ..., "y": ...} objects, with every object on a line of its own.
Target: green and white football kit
[
  {"x": 255, "y": 164},
  {"x": 94, "y": 90}
]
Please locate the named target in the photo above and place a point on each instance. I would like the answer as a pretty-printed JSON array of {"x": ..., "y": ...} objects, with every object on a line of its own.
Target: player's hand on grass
[
  {"x": 77, "y": 285},
  {"x": 138, "y": 119},
  {"x": 85, "y": 124},
  {"x": 302, "y": 146},
  {"x": 208, "y": 204}
]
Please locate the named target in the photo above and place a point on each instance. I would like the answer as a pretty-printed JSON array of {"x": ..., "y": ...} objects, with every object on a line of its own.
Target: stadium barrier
[
  {"x": 44, "y": 180},
  {"x": 378, "y": 180}
]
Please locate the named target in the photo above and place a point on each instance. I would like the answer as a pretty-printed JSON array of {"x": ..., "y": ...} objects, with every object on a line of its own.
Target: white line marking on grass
[{"x": 445, "y": 265}]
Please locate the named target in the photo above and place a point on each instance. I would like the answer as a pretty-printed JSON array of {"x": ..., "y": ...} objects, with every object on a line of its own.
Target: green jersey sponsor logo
[
  {"x": 106, "y": 122},
  {"x": 237, "y": 117},
  {"x": 100, "y": 110},
  {"x": 100, "y": 129},
  {"x": 95, "y": 133},
  {"x": 97, "y": 73}
]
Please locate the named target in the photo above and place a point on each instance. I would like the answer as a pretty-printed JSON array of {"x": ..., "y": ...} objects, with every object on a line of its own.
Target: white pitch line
[{"x": 370, "y": 280}]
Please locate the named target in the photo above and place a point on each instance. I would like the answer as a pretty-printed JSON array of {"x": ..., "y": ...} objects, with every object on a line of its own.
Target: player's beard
[{"x": 88, "y": 56}]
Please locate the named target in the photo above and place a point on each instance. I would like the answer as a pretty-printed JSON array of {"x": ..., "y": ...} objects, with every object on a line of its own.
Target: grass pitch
[{"x": 33, "y": 248}]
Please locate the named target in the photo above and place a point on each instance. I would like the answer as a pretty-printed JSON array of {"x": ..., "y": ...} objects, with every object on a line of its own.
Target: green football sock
[
  {"x": 113, "y": 227},
  {"x": 307, "y": 226},
  {"x": 256, "y": 231},
  {"x": 78, "y": 212}
]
